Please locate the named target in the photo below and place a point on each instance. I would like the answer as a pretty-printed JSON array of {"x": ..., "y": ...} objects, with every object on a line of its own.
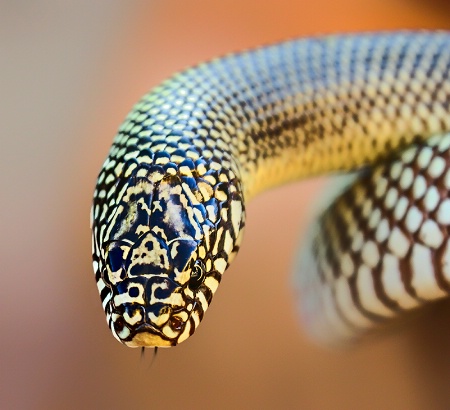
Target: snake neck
[
  {"x": 255, "y": 120},
  {"x": 313, "y": 106}
]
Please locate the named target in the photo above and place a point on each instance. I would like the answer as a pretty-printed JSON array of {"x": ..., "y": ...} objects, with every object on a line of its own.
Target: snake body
[{"x": 169, "y": 205}]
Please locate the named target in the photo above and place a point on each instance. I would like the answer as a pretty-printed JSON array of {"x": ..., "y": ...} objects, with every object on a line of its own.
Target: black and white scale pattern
[{"x": 168, "y": 210}]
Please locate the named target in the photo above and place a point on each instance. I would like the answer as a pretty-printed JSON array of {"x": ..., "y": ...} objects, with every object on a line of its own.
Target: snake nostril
[
  {"x": 175, "y": 323},
  {"x": 119, "y": 324}
]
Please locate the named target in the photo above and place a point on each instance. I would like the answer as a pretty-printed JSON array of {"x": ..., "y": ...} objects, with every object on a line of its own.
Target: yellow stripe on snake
[{"x": 169, "y": 205}]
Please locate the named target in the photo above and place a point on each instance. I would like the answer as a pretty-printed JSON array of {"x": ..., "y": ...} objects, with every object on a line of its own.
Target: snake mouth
[{"x": 147, "y": 335}]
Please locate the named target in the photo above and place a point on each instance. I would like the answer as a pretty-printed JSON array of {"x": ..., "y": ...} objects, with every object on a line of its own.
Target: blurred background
[{"x": 69, "y": 73}]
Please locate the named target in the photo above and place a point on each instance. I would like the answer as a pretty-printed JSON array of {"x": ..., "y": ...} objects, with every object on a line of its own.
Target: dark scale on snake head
[{"x": 169, "y": 205}]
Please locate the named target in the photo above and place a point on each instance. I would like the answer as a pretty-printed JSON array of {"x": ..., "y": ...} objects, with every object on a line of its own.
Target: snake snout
[{"x": 156, "y": 325}]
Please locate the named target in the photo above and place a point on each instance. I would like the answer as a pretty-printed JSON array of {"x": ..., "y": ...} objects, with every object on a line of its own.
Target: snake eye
[
  {"x": 197, "y": 275},
  {"x": 115, "y": 259}
]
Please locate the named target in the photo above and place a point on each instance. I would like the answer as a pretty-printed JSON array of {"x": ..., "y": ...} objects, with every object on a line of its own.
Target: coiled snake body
[{"x": 169, "y": 205}]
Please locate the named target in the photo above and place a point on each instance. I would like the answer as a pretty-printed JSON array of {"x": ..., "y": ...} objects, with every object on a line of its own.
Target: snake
[{"x": 169, "y": 205}]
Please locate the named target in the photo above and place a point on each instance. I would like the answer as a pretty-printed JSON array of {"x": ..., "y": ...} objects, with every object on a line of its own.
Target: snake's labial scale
[{"x": 171, "y": 194}]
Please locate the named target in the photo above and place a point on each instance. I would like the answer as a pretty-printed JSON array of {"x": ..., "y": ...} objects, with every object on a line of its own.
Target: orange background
[{"x": 69, "y": 74}]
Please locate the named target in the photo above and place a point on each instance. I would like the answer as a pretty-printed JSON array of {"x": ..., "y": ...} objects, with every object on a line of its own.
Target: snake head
[{"x": 170, "y": 238}]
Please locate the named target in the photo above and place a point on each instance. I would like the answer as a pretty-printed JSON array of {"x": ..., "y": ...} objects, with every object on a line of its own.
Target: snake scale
[{"x": 169, "y": 205}]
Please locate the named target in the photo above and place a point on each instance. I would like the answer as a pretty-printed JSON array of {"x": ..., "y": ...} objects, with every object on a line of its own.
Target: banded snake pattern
[{"x": 169, "y": 205}]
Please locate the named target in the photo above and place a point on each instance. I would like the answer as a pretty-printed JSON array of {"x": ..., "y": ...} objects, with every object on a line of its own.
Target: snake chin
[{"x": 148, "y": 339}]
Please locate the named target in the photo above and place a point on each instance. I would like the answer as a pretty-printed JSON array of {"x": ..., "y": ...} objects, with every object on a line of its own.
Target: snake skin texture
[
  {"x": 169, "y": 205},
  {"x": 382, "y": 248}
]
